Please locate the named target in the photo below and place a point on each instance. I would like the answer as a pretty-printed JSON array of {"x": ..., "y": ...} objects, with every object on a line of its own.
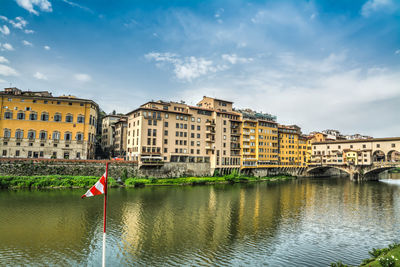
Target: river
[{"x": 303, "y": 222}]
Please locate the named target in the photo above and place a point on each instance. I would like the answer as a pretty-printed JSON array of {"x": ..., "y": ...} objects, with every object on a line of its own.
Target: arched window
[
  {"x": 79, "y": 137},
  {"x": 67, "y": 136},
  {"x": 33, "y": 116},
  {"x": 69, "y": 118},
  {"x": 43, "y": 135},
  {"x": 81, "y": 119},
  {"x": 44, "y": 116},
  {"x": 20, "y": 115},
  {"x": 31, "y": 134},
  {"x": 8, "y": 115},
  {"x": 57, "y": 117},
  {"x": 7, "y": 133},
  {"x": 56, "y": 135},
  {"x": 19, "y": 134}
]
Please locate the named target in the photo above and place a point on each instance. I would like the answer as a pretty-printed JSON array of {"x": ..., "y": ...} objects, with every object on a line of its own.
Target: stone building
[
  {"x": 39, "y": 125},
  {"x": 108, "y": 133}
]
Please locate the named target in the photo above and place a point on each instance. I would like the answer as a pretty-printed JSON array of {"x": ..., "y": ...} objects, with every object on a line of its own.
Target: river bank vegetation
[
  {"x": 68, "y": 181},
  {"x": 380, "y": 257}
]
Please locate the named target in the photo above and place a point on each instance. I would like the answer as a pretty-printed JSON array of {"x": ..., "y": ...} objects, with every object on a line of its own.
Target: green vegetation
[
  {"x": 68, "y": 181},
  {"x": 50, "y": 181},
  {"x": 396, "y": 170},
  {"x": 384, "y": 257}
]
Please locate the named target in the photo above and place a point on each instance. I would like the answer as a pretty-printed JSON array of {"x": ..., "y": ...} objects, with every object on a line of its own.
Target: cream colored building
[
  {"x": 368, "y": 151},
  {"x": 39, "y": 125},
  {"x": 120, "y": 132},
  {"x": 177, "y": 132},
  {"x": 108, "y": 133}
]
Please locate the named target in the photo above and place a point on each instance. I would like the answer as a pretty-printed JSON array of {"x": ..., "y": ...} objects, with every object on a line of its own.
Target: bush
[
  {"x": 338, "y": 264},
  {"x": 388, "y": 261}
]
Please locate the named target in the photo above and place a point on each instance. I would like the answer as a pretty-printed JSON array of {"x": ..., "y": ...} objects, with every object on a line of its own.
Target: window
[
  {"x": 81, "y": 119},
  {"x": 69, "y": 118},
  {"x": 43, "y": 135},
  {"x": 193, "y": 119},
  {"x": 166, "y": 115},
  {"x": 177, "y": 125},
  {"x": 44, "y": 116},
  {"x": 31, "y": 134},
  {"x": 165, "y": 141},
  {"x": 148, "y": 132},
  {"x": 21, "y": 116},
  {"x": 198, "y": 135},
  {"x": 198, "y": 120},
  {"x": 165, "y": 132},
  {"x": 154, "y": 132},
  {"x": 7, "y": 133},
  {"x": 79, "y": 137},
  {"x": 393, "y": 145},
  {"x": 33, "y": 116},
  {"x": 17, "y": 153},
  {"x": 198, "y": 127},
  {"x": 19, "y": 134},
  {"x": 378, "y": 145},
  {"x": 57, "y": 117},
  {"x": 56, "y": 136},
  {"x": 150, "y": 122},
  {"x": 166, "y": 124},
  {"x": 8, "y": 115},
  {"x": 4, "y": 153},
  {"x": 67, "y": 136}
]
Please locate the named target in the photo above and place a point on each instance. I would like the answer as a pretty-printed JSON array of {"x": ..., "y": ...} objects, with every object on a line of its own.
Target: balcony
[
  {"x": 210, "y": 122},
  {"x": 210, "y": 147},
  {"x": 237, "y": 133},
  {"x": 246, "y": 139},
  {"x": 210, "y": 131}
]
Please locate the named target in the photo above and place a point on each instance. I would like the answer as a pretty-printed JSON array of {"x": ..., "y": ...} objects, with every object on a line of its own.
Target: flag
[{"x": 98, "y": 188}]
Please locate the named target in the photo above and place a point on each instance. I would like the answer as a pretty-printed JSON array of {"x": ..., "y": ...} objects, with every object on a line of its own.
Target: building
[
  {"x": 160, "y": 131},
  {"x": 108, "y": 133},
  {"x": 39, "y": 125},
  {"x": 259, "y": 142},
  {"x": 120, "y": 132},
  {"x": 359, "y": 152},
  {"x": 289, "y": 153}
]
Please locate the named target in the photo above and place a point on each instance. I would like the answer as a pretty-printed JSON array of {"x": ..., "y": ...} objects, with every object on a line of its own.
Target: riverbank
[
  {"x": 389, "y": 256},
  {"x": 67, "y": 181}
]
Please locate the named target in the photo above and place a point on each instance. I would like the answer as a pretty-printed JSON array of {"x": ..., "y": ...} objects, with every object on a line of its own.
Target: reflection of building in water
[{"x": 204, "y": 219}]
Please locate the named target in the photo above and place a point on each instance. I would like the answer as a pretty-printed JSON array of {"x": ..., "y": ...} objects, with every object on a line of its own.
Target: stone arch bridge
[{"x": 360, "y": 172}]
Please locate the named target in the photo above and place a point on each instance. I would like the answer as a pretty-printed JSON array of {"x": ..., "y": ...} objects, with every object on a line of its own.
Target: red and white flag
[{"x": 98, "y": 188}]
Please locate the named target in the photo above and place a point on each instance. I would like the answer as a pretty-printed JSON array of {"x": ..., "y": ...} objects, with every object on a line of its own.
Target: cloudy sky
[{"x": 318, "y": 64}]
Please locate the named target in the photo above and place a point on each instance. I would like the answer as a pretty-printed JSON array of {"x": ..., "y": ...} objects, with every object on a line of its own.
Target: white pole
[{"x": 104, "y": 250}]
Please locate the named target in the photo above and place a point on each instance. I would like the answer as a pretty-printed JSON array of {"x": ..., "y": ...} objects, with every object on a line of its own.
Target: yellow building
[
  {"x": 289, "y": 153},
  {"x": 351, "y": 157},
  {"x": 259, "y": 140},
  {"x": 38, "y": 125}
]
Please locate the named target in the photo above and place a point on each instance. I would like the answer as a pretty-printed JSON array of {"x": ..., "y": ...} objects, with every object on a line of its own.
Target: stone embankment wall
[{"x": 28, "y": 167}]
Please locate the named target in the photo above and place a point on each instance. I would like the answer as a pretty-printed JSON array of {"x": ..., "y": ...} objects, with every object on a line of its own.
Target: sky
[{"x": 332, "y": 64}]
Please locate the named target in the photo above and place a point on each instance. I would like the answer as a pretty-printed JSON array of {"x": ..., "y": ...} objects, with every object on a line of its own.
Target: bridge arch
[
  {"x": 378, "y": 156},
  {"x": 322, "y": 170},
  {"x": 393, "y": 156}
]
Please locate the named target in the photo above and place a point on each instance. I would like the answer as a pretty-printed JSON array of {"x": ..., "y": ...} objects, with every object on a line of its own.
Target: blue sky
[{"x": 319, "y": 64}]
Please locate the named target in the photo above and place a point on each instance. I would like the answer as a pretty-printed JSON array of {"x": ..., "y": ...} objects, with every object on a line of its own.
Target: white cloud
[
  {"x": 6, "y": 46},
  {"x": 19, "y": 23},
  {"x": 78, "y": 6},
  {"x": 3, "y": 60},
  {"x": 82, "y": 77},
  {"x": 25, "y": 42},
  {"x": 29, "y": 31},
  {"x": 7, "y": 71},
  {"x": 5, "y": 30},
  {"x": 374, "y": 5},
  {"x": 40, "y": 76},
  {"x": 187, "y": 68},
  {"x": 46, "y": 47},
  {"x": 397, "y": 52},
  {"x": 43, "y": 5},
  {"x": 233, "y": 59}
]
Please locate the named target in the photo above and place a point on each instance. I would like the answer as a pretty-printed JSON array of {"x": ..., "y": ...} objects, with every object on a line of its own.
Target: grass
[
  {"x": 397, "y": 170},
  {"x": 384, "y": 257},
  {"x": 68, "y": 181},
  {"x": 50, "y": 181}
]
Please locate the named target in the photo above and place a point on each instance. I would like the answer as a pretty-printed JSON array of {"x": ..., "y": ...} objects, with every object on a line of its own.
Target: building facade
[
  {"x": 358, "y": 152},
  {"x": 108, "y": 133},
  {"x": 38, "y": 125}
]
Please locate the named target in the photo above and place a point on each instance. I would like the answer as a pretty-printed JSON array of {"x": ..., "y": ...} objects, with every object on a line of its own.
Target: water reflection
[{"x": 305, "y": 222}]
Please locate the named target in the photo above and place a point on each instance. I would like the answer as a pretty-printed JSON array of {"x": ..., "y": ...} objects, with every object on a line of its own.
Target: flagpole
[{"x": 105, "y": 213}]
